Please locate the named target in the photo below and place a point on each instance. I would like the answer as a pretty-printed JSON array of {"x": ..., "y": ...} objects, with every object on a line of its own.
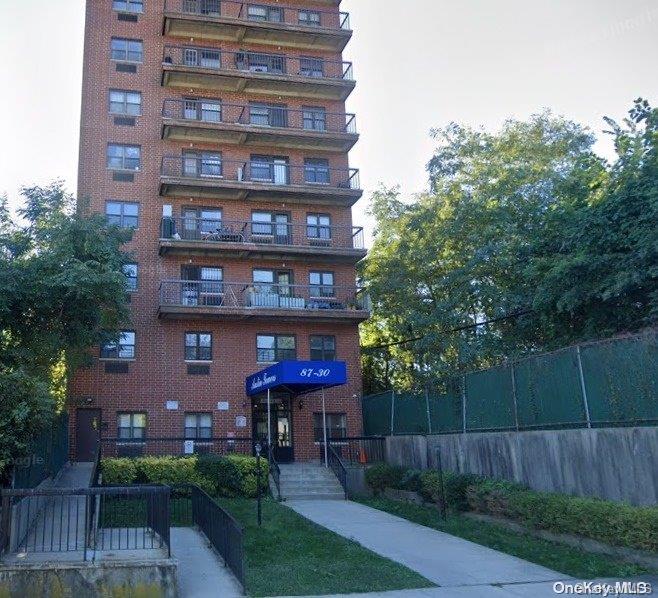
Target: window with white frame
[
  {"x": 310, "y": 17},
  {"x": 121, "y": 156},
  {"x": 125, "y": 102},
  {"x": 127, "y": 50},
  {"x": 128, "y": 5}
]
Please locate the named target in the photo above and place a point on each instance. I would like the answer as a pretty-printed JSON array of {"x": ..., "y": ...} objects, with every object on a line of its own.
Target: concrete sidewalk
[
  {"x": 201, "y": 571},
  {"x": 448, "y": 561}
]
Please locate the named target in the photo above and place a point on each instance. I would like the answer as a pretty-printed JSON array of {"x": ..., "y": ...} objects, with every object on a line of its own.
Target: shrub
[
  {"x": 247, "y": 470},
  {"x": 118, "y": 472},
  {"x": 455, "y": 487},
  {"x": 222, "y": 473},
  {"x": 382, "y": 476},
  {"x": 410, "y": 481}
]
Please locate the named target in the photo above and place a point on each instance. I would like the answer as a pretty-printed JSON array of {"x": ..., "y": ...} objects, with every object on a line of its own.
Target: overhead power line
[{"x": 449, "y": 331}]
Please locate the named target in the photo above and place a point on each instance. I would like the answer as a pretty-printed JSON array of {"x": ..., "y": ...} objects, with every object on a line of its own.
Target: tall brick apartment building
[{"x": 217, "y": 130}]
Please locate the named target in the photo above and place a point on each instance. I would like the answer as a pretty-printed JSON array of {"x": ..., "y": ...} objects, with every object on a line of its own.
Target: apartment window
[
  {"x": 273, "y": 14},
  {"x": 127, "y": 50},
  {"x": 204, "y": 110},
  {"x": 131, "y": 426},
  {"x": 318, "y": 227},
  {"x": 124, "y": 157},
  {"x": 271, "y": 282},
  {"x": 122, "y": 213},
  {"x": 201, "y": 223},
  {"x": 323, "y": 348},
  {"x": 316, "y": 171},
  {"x": 128, "y": 5},
  {"x": 124, "y": 348},
  {"x": 271, "y": 348},
  {"x": 311, "y": 67},
  {"x": 271, "y": 225},
  {"x": 198, "y": 346},
  {"x": 130, "y": 272},
  {"x": 315, "y": 119},
  {"x": 257, "y": 62},
  {"x": 268, "y": 115},
  {"x": 202, "y": 57},
  {"x": 202, "y": 164},
  {"x": 125, "y": 102},
  {"x": 336, "y": 426},
  {"x": 322, "y": 284},
  {"x": 211, "y": 8},
  {"x": 309, "y": 17},
  {"x": 202, "y": 286},
  {"x": 270, "y": 169},
  {"x": 198, "y": 426}
]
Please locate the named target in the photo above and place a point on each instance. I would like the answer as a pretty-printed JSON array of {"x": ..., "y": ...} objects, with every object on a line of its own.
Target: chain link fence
[{"x": 605, "y": 383}]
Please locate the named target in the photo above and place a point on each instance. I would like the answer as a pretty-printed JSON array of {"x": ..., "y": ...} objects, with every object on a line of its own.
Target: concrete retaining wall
[
  {"x": 619, "y": 464},
  {"x": 91, "y": 580}
]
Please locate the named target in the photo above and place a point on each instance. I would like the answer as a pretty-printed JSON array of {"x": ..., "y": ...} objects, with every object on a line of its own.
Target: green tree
[
  {"x": 62, "y": 290},
  {"x": 526, "y": 229}
]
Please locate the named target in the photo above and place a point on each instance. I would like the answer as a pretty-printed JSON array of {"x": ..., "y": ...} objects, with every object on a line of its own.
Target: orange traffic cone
[{"x": 363, "y": 458}]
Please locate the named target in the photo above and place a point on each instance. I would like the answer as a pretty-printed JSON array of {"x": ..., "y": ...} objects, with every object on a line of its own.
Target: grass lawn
[
  {"x": 290, "y": 555},
  {"x": 558, "y": 557}
]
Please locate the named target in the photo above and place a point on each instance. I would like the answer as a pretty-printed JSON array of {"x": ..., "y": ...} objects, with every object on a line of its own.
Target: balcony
[
  {"x": 249, "y": 23},
  {"x": 264, "y": 240},
  {"x": 204, "y": 121},
  {"x": 280, "y": 75},
  {"x": 190, "y": 299},
  {"x": 211, "y": 177}
]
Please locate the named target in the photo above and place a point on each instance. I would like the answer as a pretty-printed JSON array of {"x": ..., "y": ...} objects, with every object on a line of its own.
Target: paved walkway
[
  {"x": 461, "y": 567},
  {"x": 201, "y": 571}
]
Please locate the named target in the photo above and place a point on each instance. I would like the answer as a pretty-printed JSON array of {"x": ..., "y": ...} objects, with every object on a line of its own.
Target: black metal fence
[
  {"x": 85, "y": 521},
  {"x": 222, "y": 530},
  {"x": 159, "y": 447},
  {"x": 360, "y": 450}
]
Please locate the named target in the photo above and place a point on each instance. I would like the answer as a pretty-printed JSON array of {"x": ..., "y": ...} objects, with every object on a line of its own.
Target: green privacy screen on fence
[{"x": 612, "y": 382}]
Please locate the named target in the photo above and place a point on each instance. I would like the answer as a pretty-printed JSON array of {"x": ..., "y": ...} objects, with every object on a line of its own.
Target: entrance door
[
  {"x": 281, "y": 427},
  {"x": 87, "y": 433}
]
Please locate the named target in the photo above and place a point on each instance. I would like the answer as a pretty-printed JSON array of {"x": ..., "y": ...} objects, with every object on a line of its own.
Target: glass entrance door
[{"x": 281, "y": 427}]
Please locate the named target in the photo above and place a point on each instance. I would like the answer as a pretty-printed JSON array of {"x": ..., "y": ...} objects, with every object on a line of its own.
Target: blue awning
[{"x": 297, "y": 377}]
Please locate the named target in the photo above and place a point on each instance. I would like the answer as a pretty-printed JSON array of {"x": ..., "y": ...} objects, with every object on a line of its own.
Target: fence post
[
  {"x": 392, "y": 410},
  {"x": 464, "y": 404},
  {"x": 582, "y": 386},
  {"x": 427, "y": 405},
  {"x": 516, "y": 407}
]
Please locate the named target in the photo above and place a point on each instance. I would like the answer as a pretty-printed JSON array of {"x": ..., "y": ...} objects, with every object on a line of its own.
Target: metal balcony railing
[
  {"x": 211, "y": 167},
  {"x": 250, "y": 295},
  {"x": 261, "y": 13},
  {"x": 280, "y": 65},
  {"x": 268, "y": 117},
  {"x": 261, "y": 233}
]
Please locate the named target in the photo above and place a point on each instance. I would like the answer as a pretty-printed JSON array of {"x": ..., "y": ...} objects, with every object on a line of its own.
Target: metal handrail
[
  {"x": 279, "y": 65},
  {"x": 233, "y": 9},
  {"x": 277, "y": 117},
  {"x": 220, "y": 230},
  {"x": 213, "y": 167},
  {"x": 338, "y": 467},
  {"x": 235, "y": 295}
]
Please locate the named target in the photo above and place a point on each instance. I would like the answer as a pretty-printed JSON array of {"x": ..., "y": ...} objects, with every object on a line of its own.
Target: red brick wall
[{"x": 158, "y": 373}]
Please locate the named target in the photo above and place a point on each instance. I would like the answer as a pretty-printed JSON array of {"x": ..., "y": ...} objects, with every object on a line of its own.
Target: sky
[{"x": 419, "y": 64}]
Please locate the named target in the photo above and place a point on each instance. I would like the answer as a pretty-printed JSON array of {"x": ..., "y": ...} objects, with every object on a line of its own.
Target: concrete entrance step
[{"x": 309, "y": 481}]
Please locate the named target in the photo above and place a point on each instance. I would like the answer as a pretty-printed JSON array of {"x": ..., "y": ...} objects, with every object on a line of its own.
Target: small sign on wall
[
  {"x": 222, "y": 406},
  {"x": 172, "y": 405},
  {"x": 240, "y": 421},
  {"x": 188, "y": 447}
]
